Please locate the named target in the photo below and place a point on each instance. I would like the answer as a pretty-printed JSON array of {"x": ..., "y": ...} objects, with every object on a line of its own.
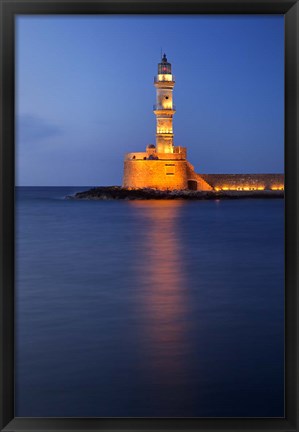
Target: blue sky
[{"x": 84, "y": 93}]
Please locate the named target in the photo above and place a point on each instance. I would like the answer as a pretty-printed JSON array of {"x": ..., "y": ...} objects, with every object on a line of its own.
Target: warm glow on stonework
[
  {"x": 165, "y": 77},
  {"x": 162, "y": 131},
  {"x": 241, "y": 187}
]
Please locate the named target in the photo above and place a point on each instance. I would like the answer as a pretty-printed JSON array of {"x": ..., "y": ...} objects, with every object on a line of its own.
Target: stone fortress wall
[
  {"x": 245, "y": 181},
  {"x": 174, "y": 173},
  {"x": 155, "y": 174}
]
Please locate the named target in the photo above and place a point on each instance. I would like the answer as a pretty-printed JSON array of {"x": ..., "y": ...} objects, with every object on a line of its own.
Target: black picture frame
[{"x": 11, "y": 8}]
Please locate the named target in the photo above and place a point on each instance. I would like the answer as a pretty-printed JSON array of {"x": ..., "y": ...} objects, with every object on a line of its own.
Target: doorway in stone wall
[{"x": 192, "y": 184}]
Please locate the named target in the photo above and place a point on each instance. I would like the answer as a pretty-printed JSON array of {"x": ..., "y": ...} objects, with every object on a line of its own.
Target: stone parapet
[
  {"x": 171, "y": 156},
  {"x": 161, "y": 156},
  {"x": 138, "y": 155}
]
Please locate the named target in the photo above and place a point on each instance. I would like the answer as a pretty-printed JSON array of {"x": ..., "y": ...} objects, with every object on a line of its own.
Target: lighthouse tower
[
  {"x": 164, "y": 108},
  {"x": 164, "y": 165}
]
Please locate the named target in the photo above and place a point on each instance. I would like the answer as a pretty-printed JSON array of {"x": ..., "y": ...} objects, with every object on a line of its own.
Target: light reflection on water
[{"x": 165, "y": 301}]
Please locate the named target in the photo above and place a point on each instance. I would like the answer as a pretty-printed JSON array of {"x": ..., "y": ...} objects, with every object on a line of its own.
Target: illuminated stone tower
[
  {"x": 164, "y": 165},
  {"x": 164, "y": 108}
]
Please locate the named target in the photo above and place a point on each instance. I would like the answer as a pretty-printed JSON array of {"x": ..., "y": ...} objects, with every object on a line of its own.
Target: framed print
[{"x": 149, "y": 207}]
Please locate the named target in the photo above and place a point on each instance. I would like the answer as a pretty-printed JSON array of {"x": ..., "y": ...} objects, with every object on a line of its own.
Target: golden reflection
[{"x": 165, "y": 298}]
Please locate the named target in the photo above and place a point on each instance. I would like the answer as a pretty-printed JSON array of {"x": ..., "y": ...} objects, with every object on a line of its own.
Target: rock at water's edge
[{"x": 119, "y": 193}]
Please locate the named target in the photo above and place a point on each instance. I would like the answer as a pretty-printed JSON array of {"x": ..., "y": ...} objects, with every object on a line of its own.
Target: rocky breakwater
[{"x": 119, "y": 193}]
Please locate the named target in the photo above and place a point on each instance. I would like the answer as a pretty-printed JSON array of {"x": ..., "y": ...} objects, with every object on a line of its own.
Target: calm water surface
[{"x": 148, "y": 308}]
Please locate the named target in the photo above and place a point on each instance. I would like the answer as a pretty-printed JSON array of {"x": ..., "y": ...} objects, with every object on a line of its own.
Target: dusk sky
[{"x": 85, "y": 93}]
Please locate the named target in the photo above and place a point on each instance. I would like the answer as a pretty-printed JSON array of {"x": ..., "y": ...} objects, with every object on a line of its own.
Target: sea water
[{"x": 148, "y": 308}]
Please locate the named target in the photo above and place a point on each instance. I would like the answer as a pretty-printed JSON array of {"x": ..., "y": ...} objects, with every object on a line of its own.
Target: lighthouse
[
  {"x": 162, "y": 165},
  {"x": 164, "y": 108}
]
